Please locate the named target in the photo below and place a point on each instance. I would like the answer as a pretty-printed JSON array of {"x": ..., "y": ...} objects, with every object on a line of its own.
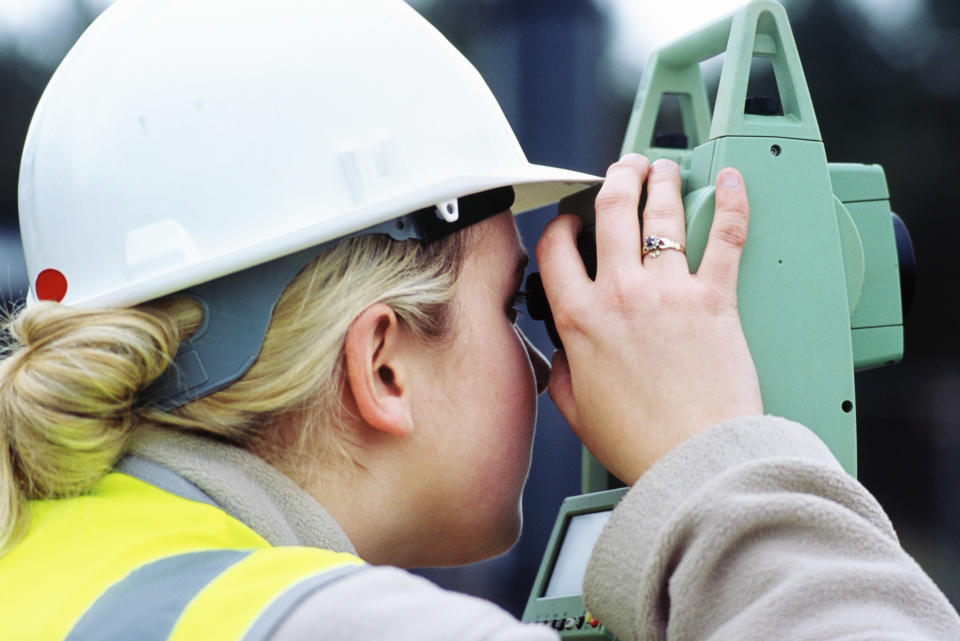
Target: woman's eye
[{"x": 515, "y": 310}]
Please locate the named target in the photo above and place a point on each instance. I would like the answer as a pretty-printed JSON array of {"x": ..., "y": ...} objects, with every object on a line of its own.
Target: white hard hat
[{"x": 183, "y": 140}]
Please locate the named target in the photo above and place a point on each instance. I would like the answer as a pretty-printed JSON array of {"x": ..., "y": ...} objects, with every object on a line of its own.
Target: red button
[{"x": 51, "y": 284}]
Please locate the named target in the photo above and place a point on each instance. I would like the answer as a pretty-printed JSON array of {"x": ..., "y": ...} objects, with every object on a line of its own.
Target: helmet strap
[{"x": 236, "y": 313}]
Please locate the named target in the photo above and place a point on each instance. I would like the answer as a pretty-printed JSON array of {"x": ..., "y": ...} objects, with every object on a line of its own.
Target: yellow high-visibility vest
[{"x": 132, "y": 562}]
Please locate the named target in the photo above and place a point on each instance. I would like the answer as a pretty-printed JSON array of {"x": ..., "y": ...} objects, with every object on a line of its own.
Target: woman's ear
[{"x": 376, "y": 374}]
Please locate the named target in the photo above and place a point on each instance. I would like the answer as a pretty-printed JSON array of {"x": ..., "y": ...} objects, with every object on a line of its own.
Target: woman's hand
[{"x": 652, "y": 353}]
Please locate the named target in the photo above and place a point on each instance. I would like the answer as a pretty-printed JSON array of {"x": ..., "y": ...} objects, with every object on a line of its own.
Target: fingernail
[
  {"x": 663, "y": 165},
  {"x": 730, "y": 179}
]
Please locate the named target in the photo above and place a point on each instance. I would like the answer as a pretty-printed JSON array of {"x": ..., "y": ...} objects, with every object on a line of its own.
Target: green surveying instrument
[{"x": 825, "y": 275}]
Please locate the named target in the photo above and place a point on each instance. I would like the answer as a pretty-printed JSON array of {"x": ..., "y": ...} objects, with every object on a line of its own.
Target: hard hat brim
[
  {"x": 547, "y": 185},
  {"x": 535, "y": 186}
]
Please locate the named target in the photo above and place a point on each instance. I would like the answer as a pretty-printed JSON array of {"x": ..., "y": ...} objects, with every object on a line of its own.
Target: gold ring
[{"x": 654, "y": 246}]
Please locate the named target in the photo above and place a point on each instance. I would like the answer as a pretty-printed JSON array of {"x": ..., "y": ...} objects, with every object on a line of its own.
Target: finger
[
  {"x": 561, "y": 268},
  {"x": 728, "y": 233},
  {"x": 561, "y": 387},
  {"x": 663, "y": 215},
  {"x": 617, "y": 224}
]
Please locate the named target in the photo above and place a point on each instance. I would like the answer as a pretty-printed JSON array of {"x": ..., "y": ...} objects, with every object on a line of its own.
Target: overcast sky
[{"x": 40, "y": 30}]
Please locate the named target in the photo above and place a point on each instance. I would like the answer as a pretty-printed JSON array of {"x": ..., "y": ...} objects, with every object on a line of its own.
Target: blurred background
[{"x": 885, "y": 84}]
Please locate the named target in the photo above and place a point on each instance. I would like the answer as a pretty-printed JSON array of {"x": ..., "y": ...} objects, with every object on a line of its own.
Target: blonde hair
[{"x": 70, "y": 378}]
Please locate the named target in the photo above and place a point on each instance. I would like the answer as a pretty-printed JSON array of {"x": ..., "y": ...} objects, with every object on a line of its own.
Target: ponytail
[
  {"x": 69, "y": 382},
  {"x": 70, "y": 378}
]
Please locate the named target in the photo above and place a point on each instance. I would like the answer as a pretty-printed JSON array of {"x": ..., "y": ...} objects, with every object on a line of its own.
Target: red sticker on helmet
[{"x": 51, "y": 285}]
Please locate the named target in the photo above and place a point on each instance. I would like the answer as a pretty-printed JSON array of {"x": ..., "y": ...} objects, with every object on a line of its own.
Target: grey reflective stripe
[
  {"x": 162, "y": 477},
  {"x": 147, "y": 603},
  {"x": 278, "y": 611}
]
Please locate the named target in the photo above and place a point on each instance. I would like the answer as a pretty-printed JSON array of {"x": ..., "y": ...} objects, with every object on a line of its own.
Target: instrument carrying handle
[{"x": 759, "y": 29}]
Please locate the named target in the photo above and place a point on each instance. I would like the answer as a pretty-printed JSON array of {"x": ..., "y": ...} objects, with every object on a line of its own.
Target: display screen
[{"x": 582, "y": 533}]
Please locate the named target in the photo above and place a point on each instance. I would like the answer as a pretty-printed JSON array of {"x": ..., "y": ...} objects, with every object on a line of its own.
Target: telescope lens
[{"x": 908, "y": 263}]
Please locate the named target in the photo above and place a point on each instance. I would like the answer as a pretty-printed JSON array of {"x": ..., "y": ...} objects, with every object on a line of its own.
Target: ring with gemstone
[{"x": 654, "y": 246}]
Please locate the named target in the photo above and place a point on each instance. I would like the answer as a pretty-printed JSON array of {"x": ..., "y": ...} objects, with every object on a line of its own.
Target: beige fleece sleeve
[
  {"x": 752, "y": 530},
  {"x": 383, "y": 603}
]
